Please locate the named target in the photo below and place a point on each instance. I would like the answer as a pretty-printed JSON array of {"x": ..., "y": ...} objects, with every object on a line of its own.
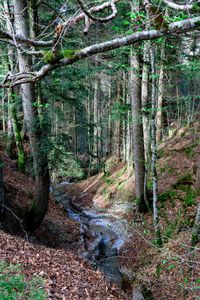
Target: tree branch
[
  {"x": 19, "y": 38},
  {"x": 68, "y": 23},
  {"x": 176, "y": 6},
  {"x": 174, "y": 28},
  {"x": 88, "y": 13}
]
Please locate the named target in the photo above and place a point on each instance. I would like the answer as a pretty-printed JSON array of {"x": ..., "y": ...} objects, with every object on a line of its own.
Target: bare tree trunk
[
  {"x": 154, "y": 150},
  {"x": 138, "y": 140},
  {"x": 144, "y": 93},
  {"x": 110, "y": 119},
  {"x": 160, "y": 96},
  {"x": 117, "y": 134},
  {"x": 96, "y": 116},
  {"x": 39, "y": 207}
]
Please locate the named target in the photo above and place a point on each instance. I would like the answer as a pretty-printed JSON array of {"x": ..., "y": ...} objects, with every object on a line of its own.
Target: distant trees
[{"x": 98, "y": 107}]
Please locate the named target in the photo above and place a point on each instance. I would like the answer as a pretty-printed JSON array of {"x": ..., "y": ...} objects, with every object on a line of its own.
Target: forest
[{"x": 99, "y": 149}]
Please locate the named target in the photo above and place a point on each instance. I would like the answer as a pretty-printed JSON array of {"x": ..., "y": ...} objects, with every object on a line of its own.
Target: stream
[{"x": 101, "y": 234}]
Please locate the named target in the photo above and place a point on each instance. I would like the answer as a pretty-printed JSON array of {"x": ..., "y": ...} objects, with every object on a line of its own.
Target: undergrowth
[{"x": 14, "y": 286}]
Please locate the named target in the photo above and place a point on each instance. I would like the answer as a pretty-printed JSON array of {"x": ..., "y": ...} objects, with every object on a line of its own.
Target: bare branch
[
  {"x": 70, "y": 22},
  {"x": 176, "y": 6},
  {"x": 88, "y": 22},
  {"x": 19, "y": 38},
  {"x": 88, "y": 13},
  {"x": 174, "y": 28},
  {"x": 94, "y": 9}
]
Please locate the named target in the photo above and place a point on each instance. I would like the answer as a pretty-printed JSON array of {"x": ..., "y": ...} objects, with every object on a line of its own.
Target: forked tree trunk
[{"x": 39, "y": 206}]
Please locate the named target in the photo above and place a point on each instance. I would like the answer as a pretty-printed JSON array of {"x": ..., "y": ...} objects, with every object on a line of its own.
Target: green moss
[
  {"x": 50, "y": 56},
  {"x": 121, "y": 172},
  {"x": 68, "y": 53},
  {"x": 190, "y": 151},
  {"x": 108, "y": 180}
]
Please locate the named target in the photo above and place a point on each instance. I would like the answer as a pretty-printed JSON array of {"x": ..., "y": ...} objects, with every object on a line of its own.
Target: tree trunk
[
  {"x": 117, "y": 133},
  {"x": 18, "y": 139},
  {"x": 144, "y": 93},
  {"x": 10, "y": 135},
  {"x": 3, "y": 110},
  {"x": 154, "y": 151},
  {"x": 196, "y": 231},
  {"x": 138, "y": 140},
  {"x": 2, "y": 190},
  {"x": 96, "y": 116},
  {"x": 160, "y": 96},
  {"x": 39, "y": 206}
]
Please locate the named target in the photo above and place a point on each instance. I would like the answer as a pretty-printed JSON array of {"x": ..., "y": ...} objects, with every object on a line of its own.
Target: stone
[{"x": 137, "y": 294}]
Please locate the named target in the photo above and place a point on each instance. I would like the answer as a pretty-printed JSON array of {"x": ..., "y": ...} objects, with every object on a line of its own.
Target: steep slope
[{"x": 66, "y": 276}]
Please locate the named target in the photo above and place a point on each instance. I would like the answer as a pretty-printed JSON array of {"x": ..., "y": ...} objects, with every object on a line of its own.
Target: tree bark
[
  {"x": 154, "y": 150},
  {"x": 145, "y": 78},
  {"x": 18, "y": 139},
  {"x": 138, "y": 140},
  {"x": 39, "y": 206},
  {"x": 160, "y": 96},
  {"x": 10, "y": 135}
]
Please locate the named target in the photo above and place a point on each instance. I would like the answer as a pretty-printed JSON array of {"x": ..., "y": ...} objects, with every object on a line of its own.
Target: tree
[
  {"x": 53, "y": 53},
  {"x": 32, "y": 125}
]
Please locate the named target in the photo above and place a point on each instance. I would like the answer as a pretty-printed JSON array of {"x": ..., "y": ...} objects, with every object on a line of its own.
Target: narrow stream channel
[{"x": 102, "y": 235}]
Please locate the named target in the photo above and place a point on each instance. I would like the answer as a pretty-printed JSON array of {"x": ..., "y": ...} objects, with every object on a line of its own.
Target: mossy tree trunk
[
  {"x": 32, "y": 124},
  {"x": 18, "y": 139}
]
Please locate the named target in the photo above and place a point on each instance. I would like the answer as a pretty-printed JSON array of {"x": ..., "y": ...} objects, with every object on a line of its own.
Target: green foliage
[
  {"x": 119, "y": 110},
  {"x": 172, "y": 226},
  {"x": 190, "y": 151},
  {"x": 181, "y": 15},
  {"x": 14, "y": 286},
  {"x": 168, "y": 195},
  {"x": 109, "y": 165},
  {"x": 62, "y": 162}
]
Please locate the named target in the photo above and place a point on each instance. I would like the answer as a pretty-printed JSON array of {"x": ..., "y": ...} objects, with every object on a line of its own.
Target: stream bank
[{"x": 101, "y": 234}]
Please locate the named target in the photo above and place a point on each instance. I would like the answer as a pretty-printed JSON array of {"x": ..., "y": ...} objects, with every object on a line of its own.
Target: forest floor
[
  {"x": 170, "y": 272},
  {"x": 173, "y": 271},
  {"x": 52, "y": 253}
]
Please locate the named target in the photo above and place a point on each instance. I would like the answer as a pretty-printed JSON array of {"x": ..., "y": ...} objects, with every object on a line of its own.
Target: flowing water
[{"x": 102, "y": 235}]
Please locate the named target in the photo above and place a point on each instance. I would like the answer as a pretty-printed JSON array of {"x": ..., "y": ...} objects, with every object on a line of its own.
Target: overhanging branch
[{"x": 174, "y": 28}]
